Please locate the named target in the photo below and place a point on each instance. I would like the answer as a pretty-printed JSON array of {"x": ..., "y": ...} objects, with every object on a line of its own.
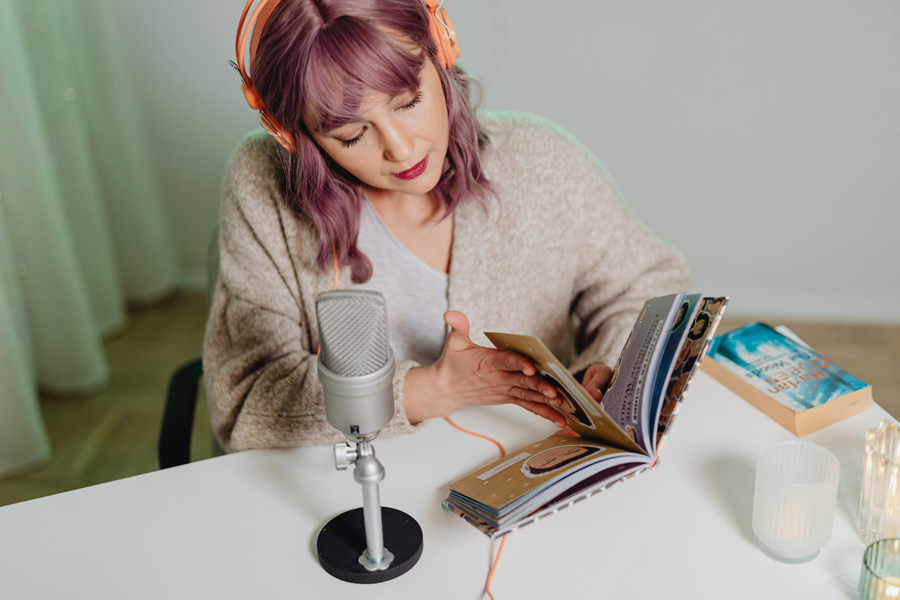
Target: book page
[
  {"x": 630, "y": 394},
  {"x": 671, "y": 358},
  {"x": 701, "y": 332},
  {"x": 583, "y": 415},
  {"x": 527, "y": 471},
  {"x": 611, "y": 472}
]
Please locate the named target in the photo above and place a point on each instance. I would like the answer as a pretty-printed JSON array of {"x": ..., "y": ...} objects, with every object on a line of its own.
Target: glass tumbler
[
  {"x": 794, "y": 500},
  {"x": 880, "y": 576},
  {"x": 879, "y": 504}
]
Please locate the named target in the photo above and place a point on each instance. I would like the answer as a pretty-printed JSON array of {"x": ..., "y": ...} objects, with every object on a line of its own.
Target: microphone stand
[
  {"x": 369, "y": 473},
  {"x": 340, "y": 540}
]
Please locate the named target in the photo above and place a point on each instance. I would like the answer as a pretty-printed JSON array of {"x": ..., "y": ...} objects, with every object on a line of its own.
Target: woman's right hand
[{"x": 467, "y": 374}]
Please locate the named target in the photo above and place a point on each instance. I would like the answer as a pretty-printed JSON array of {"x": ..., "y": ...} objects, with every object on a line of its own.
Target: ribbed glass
[
  {"x": 794, "y": 499},
  {"x": 880, "y": 576},
  {"x": 879, "y": 503}
]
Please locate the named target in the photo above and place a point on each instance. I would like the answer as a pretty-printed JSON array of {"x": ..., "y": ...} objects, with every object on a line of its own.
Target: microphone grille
[{"x": 353, "y": 331}]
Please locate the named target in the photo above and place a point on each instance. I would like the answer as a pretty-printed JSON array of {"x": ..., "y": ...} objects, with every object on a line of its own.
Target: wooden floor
[{"x": 113, "y": 434}]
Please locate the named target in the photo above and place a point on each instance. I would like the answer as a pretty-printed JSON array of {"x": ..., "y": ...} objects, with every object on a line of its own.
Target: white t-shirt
[{"x": 416, "y": 292}]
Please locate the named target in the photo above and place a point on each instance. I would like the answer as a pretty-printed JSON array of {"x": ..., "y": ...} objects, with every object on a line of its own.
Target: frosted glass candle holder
[
  {"x": 880, "y": 576},
  {"x": 879, "y": 504},
  {"x": 794, "y": 500}
]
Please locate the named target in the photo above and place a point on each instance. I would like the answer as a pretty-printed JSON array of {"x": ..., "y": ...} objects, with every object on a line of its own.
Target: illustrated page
[
  {"x": 670, "y": 360},
  {"x": 583, "y": 414},
  {"x": 628, "y": 398},
  {"x": 702, "y": 330},
  {"x": 527, "y": 470}
]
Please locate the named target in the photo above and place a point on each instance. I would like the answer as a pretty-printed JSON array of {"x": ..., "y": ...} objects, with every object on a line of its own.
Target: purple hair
[{"x": 321, "y": 57}]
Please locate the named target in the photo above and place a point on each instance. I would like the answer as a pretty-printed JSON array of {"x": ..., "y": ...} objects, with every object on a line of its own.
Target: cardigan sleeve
[
  {"x": 259, "y": 354},
  {"x": 621, "y": 265}
]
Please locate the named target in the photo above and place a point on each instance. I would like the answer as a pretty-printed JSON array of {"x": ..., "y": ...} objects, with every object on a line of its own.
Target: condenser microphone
[
  {"x": 356, "y": 370},
  {"x": 356, "y": 364}
]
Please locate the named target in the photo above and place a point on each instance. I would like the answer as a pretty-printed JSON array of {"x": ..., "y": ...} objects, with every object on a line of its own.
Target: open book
[{"x": 620, "y": 436}]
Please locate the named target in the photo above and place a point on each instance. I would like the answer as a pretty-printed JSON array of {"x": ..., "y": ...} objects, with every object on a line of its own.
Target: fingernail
[
  {"x": 561, "y": 425},
  {"x": 547, "y": 393}
]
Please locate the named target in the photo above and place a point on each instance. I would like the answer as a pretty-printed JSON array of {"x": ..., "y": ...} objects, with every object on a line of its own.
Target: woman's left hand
[{"x": 595, "y": 378}]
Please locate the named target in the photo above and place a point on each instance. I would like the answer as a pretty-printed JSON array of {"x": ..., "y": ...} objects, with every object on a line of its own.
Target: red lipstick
[{"x": 415, "y": 171}]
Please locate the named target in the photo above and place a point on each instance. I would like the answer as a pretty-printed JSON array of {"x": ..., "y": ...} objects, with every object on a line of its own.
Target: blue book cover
[{"x": 782, "y": 368}]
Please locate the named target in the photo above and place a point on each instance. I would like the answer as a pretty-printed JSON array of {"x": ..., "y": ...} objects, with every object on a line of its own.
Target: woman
[{"x": 498, "y": 222}]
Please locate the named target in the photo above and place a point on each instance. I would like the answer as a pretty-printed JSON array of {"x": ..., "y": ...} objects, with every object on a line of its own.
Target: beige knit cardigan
[{"x": 560, "y": 240}]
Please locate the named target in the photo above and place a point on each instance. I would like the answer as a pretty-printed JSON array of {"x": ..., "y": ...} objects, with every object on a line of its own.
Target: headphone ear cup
[
  {"x": 451, "y": 46},
  {"x": 252, "y": 97},
  {"x": 435, "y": 28},
  {"x": 447, "y": 48}
]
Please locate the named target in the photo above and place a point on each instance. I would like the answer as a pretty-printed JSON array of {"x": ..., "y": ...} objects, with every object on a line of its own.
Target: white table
[{"x": 245, "y": 525}]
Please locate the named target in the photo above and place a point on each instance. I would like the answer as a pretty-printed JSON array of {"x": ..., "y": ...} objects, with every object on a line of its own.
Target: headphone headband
[{"x": 257, "y": 22}]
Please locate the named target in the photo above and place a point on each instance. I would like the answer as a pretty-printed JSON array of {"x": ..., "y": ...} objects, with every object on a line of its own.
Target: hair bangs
[{"x": 348, "y": 61}]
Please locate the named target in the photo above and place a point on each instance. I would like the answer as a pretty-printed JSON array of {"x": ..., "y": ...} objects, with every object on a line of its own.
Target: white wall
[{"x": 761, "y": 138}]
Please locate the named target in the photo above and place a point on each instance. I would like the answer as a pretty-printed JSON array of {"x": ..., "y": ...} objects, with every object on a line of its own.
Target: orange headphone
[
  {"x": 438, "y": 23},
  {"x": 443, "y": 33}
]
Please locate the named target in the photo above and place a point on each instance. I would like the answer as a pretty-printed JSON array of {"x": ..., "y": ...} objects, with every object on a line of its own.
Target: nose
[{"x": 398, "y": 143}]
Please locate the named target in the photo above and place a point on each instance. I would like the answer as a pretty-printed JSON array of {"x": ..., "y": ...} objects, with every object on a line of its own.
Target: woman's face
[
  {"x": 552, "y": 457},
  {"x": 567, "y": 404},
  {"x": 391, "y": 136}
]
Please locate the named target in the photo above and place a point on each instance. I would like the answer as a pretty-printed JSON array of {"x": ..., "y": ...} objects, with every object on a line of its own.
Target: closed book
[{"x": 788, "y": 381}]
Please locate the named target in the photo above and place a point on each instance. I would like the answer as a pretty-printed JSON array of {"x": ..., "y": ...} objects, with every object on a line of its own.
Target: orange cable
[
  {"x": 484, "y": 437},
  {"x": 487, "y": 584},
  {"x": 334, "y": 250}
]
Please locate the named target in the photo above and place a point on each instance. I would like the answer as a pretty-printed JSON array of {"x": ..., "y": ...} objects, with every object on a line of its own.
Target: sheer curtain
[{"x": 82, "y": 227}]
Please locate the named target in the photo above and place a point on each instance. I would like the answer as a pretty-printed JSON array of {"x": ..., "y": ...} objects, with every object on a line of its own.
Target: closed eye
[
  {"x": 407, "y": 106},
  {"x": 348, "y": 143},
  {"x": 412, "y": 102}
]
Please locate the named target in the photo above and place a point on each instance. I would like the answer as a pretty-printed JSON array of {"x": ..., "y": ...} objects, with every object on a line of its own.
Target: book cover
[{"x": 785, "y": 379}]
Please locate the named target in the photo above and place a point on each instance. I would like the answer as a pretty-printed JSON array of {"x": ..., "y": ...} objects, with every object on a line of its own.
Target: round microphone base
[{"x": 343, "y": 540}]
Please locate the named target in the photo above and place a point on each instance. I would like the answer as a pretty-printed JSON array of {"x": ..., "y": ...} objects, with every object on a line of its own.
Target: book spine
[{"x": 816, "y": 418}]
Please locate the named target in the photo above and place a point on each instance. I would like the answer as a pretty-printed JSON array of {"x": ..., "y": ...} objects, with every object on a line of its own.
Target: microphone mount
[{"x": 369, "y": 473}]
